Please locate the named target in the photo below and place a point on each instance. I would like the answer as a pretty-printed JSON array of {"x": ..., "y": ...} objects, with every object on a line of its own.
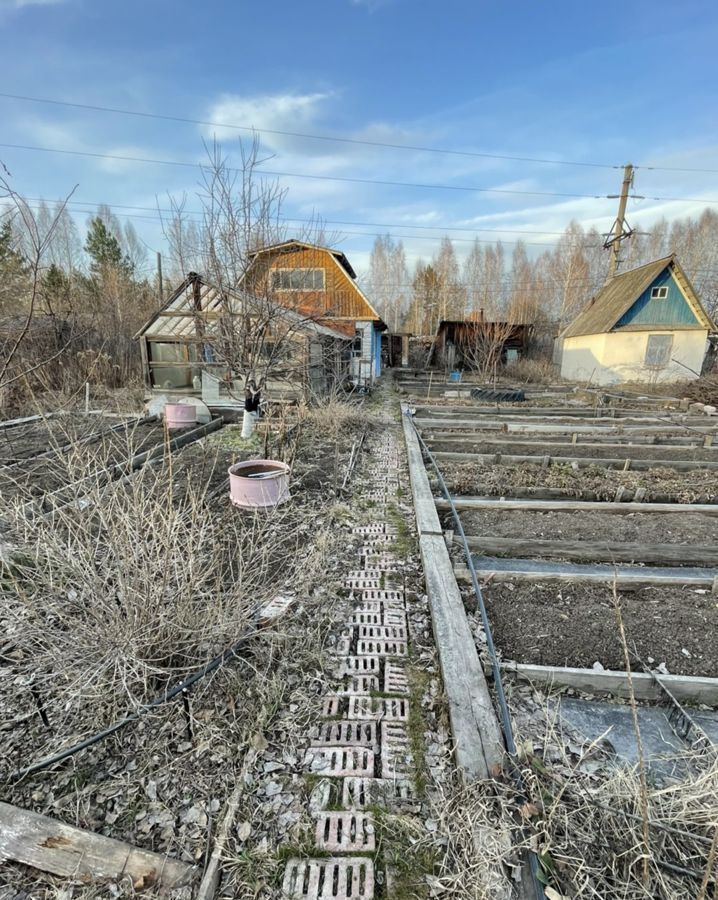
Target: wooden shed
[{"x": 206, "y": 342}]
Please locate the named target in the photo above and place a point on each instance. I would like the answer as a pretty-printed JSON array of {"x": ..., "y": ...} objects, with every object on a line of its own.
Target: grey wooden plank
[
  {"x": 559, "y": 428},
  {"x": 542, "y": 570},
  {"x": 51, "y": 846},
  {"x": 596, "y": 551},
  {"x": 475, "y": 728},
  {"x": 628, "y": 508},
  {"x": 582, "y": 462},
  {"x": 688, "y": 689}
]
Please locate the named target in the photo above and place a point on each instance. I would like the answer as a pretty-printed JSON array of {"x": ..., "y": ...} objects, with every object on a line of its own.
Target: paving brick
[
  {"x": 345, "y": 832},
  {"x": 338, "y": 762},
  {"x": 396, "y": 757},
  {"x": 274, "y": 610},
  {"x": 332, "y": 705},
  {"x": 379, "y": 606},
  {"x": 378, "y": 528},
  {"x": 381, "y": 648},
  {"x": 363, "y": 664},
  {"x": 360, "y": 793},
  {"x": 362, "y": 584},
  {"x": 381, "y": 596},
  {"x": 396, "y": 617},
  {"x": 367, "y": 618},
  {"x": 382, "y": 632},
  {"x": 395, "y": 679},
  {"x": 348, "y": 878},
  {"x": 360, "y": 684},
  {"x": 344, "y": 733},
  {"x": 366, "y": 707}
]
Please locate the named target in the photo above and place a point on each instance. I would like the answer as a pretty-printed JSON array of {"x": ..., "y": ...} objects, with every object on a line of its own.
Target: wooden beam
[
  {"x": 627, "y": 508},
  {"x": 707, "y": 427},
  {"x": 688, "y": 689},
  {"x": 505, "y": 445},
  {"x": 582, "y": 462},
  {"x": 475, "y": 729},
  {"x": 596, "y": 551},
  {"x": 625, "y": 577},
  {"x": 51, "y": 846}
]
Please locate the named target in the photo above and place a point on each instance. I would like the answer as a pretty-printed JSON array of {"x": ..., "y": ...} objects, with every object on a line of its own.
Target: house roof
[
  {"x": 338, "y": 257},
  {"x": 213, "y": 300},
  {"x": 620, "y": 293},
  {"x": 288, "y": 246}
]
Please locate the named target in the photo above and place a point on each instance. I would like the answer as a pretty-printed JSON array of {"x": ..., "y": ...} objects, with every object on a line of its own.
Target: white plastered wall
[{"x": 620, "y": 356}]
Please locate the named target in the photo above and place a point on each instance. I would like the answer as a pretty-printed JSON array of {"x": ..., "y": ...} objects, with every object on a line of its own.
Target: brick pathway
[{"x": 360, "y": 749}]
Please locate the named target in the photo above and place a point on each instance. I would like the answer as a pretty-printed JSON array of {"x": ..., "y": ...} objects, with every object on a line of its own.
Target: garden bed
[{"x": 575, "y": 625}]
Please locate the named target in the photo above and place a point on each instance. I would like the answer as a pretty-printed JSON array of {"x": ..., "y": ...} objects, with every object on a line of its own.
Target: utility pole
[
  {"x": 620, "y": 230},
  {"x": 159, "y": 277}
]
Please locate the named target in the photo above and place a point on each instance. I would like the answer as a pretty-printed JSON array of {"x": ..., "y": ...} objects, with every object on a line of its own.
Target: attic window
[
  {"x": 659, "y": 293},
  {"x": 298, "y": 279}
]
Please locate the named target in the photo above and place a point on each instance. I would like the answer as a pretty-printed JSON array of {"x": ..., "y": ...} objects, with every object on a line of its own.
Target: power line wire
[
  {"x": 347, "y": 180},
  {"x": 334, "y": 178},
  {"x": 315, "y": 137},
  {"x": 93, "y": 107},
  {"x": 321, "y": 221}
]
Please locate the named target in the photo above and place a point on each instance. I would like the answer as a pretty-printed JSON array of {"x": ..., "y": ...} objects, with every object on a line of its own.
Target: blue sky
[{"x": 560, "y": 80}]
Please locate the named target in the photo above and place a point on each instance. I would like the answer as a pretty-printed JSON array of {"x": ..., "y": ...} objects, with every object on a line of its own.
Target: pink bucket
[
  {"x": 258, "y": 483},
  {"x": 180, "y": 415}
]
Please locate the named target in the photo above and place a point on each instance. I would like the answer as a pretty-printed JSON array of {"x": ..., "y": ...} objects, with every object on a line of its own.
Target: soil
[
  {"x": 539, "y": 450},
  {"x": 479, "y": 479},
  {"x": 669, "y": 528},
  {"x": 575, "y": 625}
]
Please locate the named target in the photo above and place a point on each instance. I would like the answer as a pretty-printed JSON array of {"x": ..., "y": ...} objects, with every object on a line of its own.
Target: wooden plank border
[
  {"x": 582, "y": 462},
  {"x": 688, "y": 689},
  {"x": 528, "y": 505},
  {"x": 475, "y": 728}
]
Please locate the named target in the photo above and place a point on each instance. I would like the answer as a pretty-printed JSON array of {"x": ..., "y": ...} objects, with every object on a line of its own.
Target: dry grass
[{"x": 111, "y": 599}]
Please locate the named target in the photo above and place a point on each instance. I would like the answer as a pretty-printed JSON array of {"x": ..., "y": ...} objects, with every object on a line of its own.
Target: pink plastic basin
[
  {"x": 258, "y": 483},
  {"x": 180, "y": 415}
]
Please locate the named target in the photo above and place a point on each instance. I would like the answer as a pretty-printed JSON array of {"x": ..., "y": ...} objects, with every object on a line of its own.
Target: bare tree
[
  {"x": 256, "y": 334},
  {"x": 34, "y": 238}
]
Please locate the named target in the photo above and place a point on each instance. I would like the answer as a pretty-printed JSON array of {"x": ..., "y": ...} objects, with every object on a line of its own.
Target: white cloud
[
  {"x": 265, "y": 113},
  {"x": 21, "y": 4}
]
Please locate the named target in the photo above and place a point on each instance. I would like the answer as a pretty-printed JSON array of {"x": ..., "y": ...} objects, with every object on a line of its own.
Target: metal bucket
[
  {"x": 258, "y": 483},
  {"x": 180, "y": 415}
]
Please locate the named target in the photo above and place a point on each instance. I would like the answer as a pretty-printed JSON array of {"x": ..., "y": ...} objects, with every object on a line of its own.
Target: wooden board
[
  {"x": 51, "y": 846},
  {"x": 688, "y": 689},
  {"x": 680, "y": 465},
  {"x": 559, "y": 428},
  {"x": 596, "y": 551},
  {"x": 475, "y": 728},
  {"x": 531, "y": 570},
  {"x": 622, "y": 509},
  {"x": 504, "y": 445}
]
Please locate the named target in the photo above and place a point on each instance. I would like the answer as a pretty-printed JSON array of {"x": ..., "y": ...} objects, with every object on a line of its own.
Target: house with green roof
[{"x": 646, "y": 324}]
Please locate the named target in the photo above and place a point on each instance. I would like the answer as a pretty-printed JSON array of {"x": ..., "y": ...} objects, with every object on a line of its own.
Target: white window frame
[
  {"x": 659, "y": 293},
  {"x": 298, "y": 290}
]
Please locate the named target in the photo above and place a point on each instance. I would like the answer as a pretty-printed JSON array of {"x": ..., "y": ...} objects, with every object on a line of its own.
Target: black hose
[{"x": 187, "y": 682}]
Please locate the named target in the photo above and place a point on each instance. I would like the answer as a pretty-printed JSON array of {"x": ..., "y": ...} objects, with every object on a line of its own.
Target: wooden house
[
  {"x": 646, "y": 324},
  {"x": 205, "y": 342},
  {"x": 463, "y": 343},
  {"x": 320, "y": 282}
]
